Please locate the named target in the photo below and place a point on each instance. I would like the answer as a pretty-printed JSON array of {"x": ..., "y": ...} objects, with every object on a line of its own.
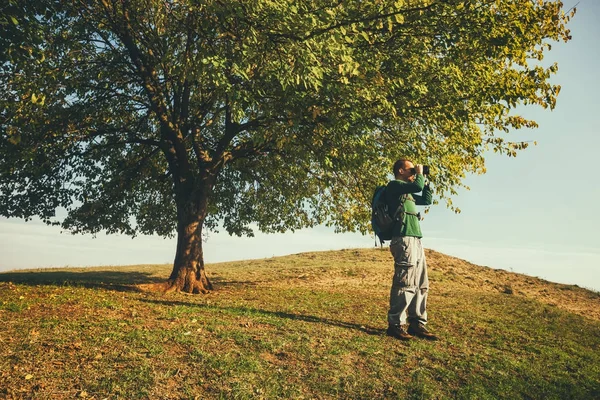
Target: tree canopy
[{"x": 163, "y": 116}]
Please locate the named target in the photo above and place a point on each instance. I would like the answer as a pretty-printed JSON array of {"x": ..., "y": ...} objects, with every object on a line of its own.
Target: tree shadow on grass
[
  {"x": 104, "y": 279},
  {"x": 118, "y": 279},
  {"x": 247, "y": 311}
]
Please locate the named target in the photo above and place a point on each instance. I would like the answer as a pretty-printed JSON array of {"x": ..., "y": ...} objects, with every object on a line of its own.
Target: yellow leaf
[{"x": 28, "y": 376}]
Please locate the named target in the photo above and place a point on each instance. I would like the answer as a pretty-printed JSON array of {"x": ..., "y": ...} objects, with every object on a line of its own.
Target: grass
[{"x": 309, "y": 326}]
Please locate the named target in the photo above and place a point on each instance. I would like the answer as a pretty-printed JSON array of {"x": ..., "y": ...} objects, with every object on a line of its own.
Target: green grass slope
[{"x": 305, "y": 326}]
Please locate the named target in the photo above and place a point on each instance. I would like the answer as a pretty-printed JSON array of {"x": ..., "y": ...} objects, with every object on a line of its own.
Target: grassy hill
[{"x": 308, "y": 326}]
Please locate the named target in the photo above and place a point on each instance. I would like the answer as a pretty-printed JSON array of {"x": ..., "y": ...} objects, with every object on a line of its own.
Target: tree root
[
  {"x": 161, "y": 287},
  {"x": 170, "y": 286}
]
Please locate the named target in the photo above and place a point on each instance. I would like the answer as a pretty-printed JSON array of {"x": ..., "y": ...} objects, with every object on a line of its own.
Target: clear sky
[{"x": 537, "y": 214}]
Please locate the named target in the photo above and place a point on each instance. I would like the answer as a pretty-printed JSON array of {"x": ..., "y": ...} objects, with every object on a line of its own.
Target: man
[{"x": 408, "y": 297}]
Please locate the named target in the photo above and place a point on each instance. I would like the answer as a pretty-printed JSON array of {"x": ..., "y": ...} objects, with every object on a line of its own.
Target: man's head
[{"x": 404, "y": 170}]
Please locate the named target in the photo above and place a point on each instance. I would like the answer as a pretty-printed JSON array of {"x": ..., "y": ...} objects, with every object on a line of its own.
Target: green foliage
[{"x": 284, "y": 114}]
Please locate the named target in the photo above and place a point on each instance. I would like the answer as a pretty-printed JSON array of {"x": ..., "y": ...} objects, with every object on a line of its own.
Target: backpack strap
[{"x": 400, "y": 206}]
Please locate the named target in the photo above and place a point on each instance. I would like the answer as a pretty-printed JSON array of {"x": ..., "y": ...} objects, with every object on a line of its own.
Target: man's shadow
[{"x": 245, "y": 311}]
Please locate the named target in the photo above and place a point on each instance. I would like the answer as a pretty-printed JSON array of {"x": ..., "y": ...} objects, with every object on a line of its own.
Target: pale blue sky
[{"x": 536, "y": 214}]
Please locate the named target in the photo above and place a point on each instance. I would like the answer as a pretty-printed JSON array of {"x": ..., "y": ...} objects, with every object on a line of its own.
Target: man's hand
[{"x": 419, "y": 169}]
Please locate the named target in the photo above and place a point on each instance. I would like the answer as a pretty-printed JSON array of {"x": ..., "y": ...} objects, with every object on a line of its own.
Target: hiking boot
[
  {"x": 398, "y": 332},
  {"x": 419, "y": 330}
]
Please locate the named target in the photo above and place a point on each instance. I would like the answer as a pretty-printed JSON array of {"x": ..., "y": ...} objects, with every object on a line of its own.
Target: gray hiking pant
[{"x": 408, "y": 297}]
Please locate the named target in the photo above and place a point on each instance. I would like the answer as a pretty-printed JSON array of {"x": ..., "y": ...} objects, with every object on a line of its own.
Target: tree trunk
[{"x": 188, "y": 273}]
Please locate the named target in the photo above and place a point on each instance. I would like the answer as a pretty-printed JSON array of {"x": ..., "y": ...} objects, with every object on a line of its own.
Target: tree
[{"x": 162, "y": 116}]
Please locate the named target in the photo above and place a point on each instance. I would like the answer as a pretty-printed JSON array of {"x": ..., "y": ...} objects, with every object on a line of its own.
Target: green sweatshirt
[{"x": 395, "y": 190}]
